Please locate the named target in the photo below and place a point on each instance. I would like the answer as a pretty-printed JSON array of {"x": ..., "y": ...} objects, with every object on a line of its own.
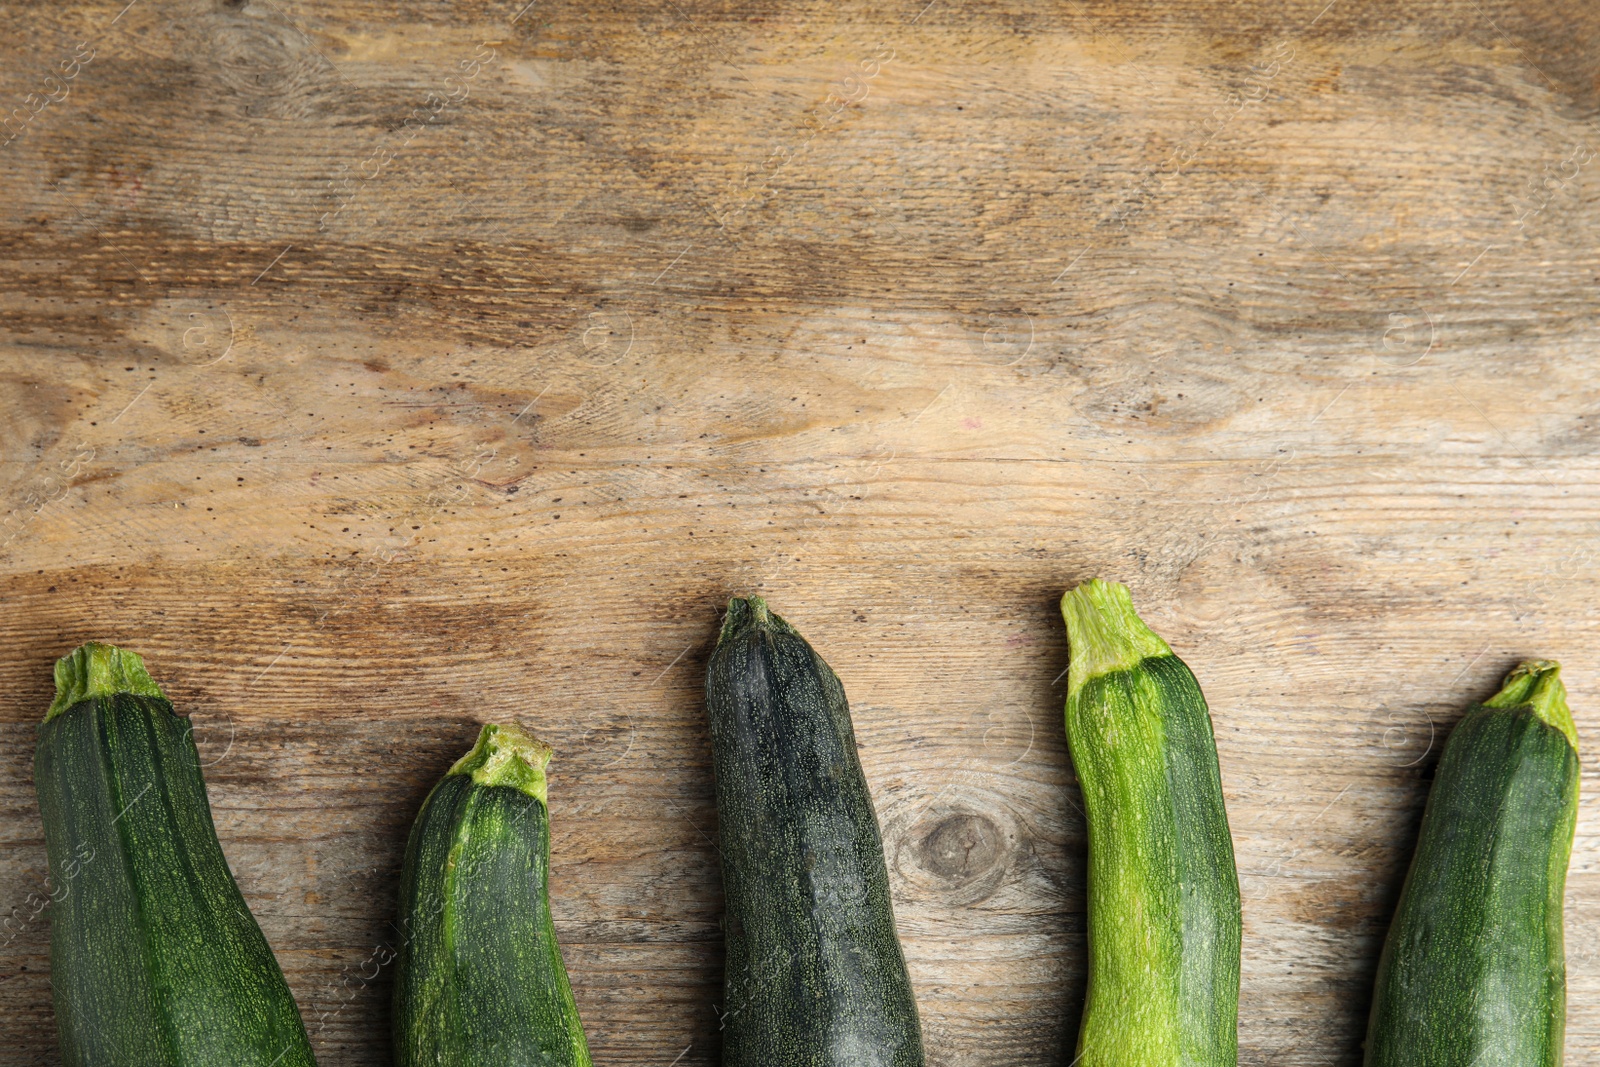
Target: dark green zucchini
[
  {"x": 1164, "y": 918},
  {"x": 1473, "y": 972},
  {"x": 155, "y": 959},
  {"x": 479, "y": 980},
  {"x": 815, "y": 974}
]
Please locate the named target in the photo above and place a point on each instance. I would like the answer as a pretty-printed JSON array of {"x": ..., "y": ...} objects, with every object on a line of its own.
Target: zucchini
[
  {"x": 1473, "y": 970},
  {"x": 155, "y": 959},
  {"x": 479, "y": 980},
  {"x": 815, "y": 975},
  {"x": 1164, "y": 920}
]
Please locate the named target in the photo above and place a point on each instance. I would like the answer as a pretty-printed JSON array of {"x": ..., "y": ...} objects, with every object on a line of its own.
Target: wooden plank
[{"x": 376, "y": 373}]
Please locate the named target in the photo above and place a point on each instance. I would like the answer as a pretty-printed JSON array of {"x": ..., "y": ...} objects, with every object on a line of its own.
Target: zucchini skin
[
  {"x": 479, "y": 979},
  {"x": 1164, "y": 909},
  {"x": 815, "y": 973},
  {"x": 1473, "y": 970},
  {"x": 155, "y": 958}
]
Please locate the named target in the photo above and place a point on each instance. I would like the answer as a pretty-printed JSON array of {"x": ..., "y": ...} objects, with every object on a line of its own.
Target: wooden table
[{"x": 379, "y": 370}]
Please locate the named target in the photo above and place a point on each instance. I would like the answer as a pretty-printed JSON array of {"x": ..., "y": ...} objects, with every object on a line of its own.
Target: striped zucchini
[
  {"x": 154, "y": 957},
  {"x": 479, "y": 980},
  {"x": 815, "y": 975},
  {"x": 1473, "y": 972},
  {"x": 1164, "y": 921}
]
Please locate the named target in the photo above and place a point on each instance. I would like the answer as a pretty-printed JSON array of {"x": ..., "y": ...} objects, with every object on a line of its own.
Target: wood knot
[
  {"x": 268, "y": 67},
  {"x": 955, "y": 854},
  {"x": 961, "y": 848}
]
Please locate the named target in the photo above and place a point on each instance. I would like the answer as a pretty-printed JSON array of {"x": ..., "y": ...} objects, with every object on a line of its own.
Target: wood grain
[{"x": 376, "y": 372}]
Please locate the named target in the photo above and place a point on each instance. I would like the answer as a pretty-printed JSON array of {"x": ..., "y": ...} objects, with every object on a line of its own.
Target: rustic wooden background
[{"x": 377, "y": 370}]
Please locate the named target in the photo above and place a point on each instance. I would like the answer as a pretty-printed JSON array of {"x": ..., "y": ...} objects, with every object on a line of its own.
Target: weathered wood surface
[{"x": 378, "y": 370}]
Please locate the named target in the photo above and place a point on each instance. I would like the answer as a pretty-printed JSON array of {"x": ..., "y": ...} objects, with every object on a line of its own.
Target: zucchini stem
[
  {"x": 1536, "y": 684},
  {"x": 1104, "y": 633},
  {"x": 752, "y": 614},
  {"x": 508, "y": 756},
  {"x": 98, "y": 670}
]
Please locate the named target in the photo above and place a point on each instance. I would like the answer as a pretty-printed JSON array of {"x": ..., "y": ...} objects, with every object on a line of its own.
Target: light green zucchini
[{"x": 1164, "y": 918}]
